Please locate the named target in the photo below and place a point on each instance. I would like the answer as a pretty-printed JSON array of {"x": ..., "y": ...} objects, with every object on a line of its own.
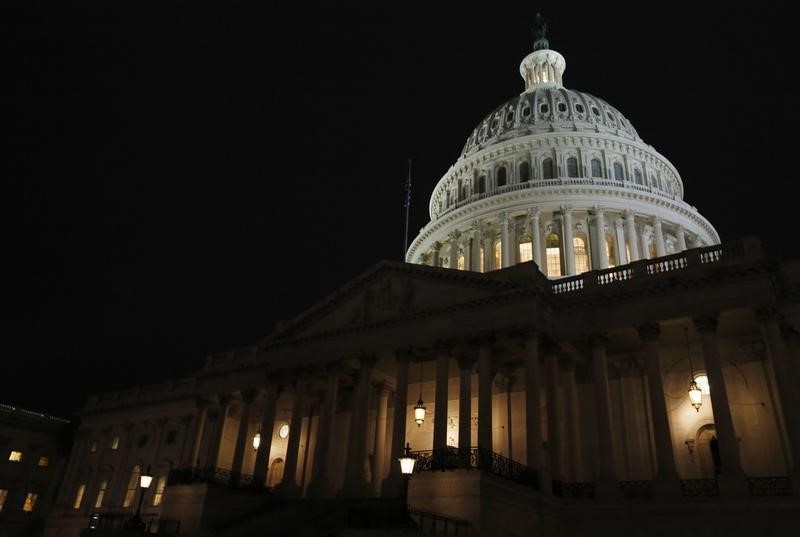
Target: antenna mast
[{"x": 407, "y": 205}]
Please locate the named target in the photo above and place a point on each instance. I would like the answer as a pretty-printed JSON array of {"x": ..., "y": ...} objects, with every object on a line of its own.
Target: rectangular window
[
  {"x": 3, "y": 496},
  {"x": 44, "y": 462},
  {"x": 160, "y": 486},
  {"x": 115, "y": 443},
  {"x": 79, "y": 496},
  {"x": 15, "y": 456},
  {"x": 133, "y": 483},
  {"x": 525, "y": 252},
  {"x": 30, "y": 502},
  {"x": 553, "y": 261},
  {"x": 101, "y": 492}
]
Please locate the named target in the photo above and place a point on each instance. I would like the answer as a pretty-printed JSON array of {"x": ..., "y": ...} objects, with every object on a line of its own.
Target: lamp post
[
  {"x": 136, "y": 523},
  {"x": 406, "y": 468}
]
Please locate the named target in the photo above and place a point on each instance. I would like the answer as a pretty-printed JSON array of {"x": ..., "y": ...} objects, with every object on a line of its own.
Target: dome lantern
[{"x": 543, "y": 68}]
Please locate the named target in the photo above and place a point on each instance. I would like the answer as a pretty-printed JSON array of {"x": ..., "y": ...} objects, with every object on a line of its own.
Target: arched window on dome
[
  {"x": 481, "y": 184},
  {"x": 502, "y": 176},
  {"x": 547, "y": 169},
  {"x": 637, "y": 176},
  {"x": 460, "y": 261},
  {"x": 619, "y": 173},
  {"x": 611, "y": 250},
  {"x": 498, "y": 255},
  {"x": 581, "y": 253},
  {"x": 553, "y": 246},
  {"x": 597, "y": 168},
  {"x": 572, "y": 167},
  {"x": 524, "y": 171},
  {"x": 525, "y": 249}
]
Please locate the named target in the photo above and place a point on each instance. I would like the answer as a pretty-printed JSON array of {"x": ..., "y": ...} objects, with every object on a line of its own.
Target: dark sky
[{"x": 182, "y": 178}]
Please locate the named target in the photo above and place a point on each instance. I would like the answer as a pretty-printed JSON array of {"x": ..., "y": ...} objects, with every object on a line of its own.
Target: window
[
  {"x": 133, "y": 482},
  {"x": 79, "y": 496},
  {"x": 3, "y": 496},
  {"x": 610, "y": 116},
  {"x": 93, "y": 448},
  {"x": 543, "y": 108},
  {"x": 562, "y": 107},
  {"x": 581, "y": 254},
  {"x": 702, "y": 382},
  {"x": 524, "y": 171},
  {"x": 275, "y": 472},
  {"x": 595, "y": 111},
  {"x": 493, "y": 126},
  {"x": 597, "y": 168},
  {"x": 114, "y": 443},
  {"x": 498, "y": 252},
  {"x": 651, "y": 249},
  {"x": 579, "y": 108},
  {"x": 553, "y": 255},
  {"x": 525, "y": 250},
  {"x": 611, "y": 251},
  {"x": 30, "y": 502},
  {"x": 572, "y": 167},
  {"x": 461, "y": 193},
  {"x": 526, "y": 111},
  {"x": 101, "y": 492},
  {"x": 158, "y": 496},
  {"x": 481, "y": 184},
  {"x": 510, "y": 116},
  {"x": 15, "y": 456},
  {"x": 619, "y": 173},
  {"x": 460, "y": 262},
  {"x": 501, "y": 176},
  {"x": 283, "y": 432},
  {"x": 547, "y": 169},
  {"x": 44, "y": 462},
  {"x": 171, "y": 436},
  {"x": 637, "y": 176}
]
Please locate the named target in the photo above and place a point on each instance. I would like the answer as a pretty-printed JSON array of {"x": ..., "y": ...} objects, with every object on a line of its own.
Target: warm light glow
[
  {"x": 79, "y": 496},
  {"x": 44, "y": 462},
  {"x": 145, "y": 480},
  {"x": 115, "y": 443},
  {"x": 553, "y": 255},
  {"x": 525, "y": 252},
  {"x": 407, "y": 462},
  {"x": 256, "y": 441},
  {"x": 131, "y": 490},
  {"x": 283, "y": 432},
  {"x": 581, "y": 255},
  {"x": 695, "y": 396},
  {"x": 15, "y": 456},
  {"x": 460, "y": 262},
  {"x": 702, "y": 382},
  {"x": 161, "y": 484},
  {"x": 419, "y": 413},
  {"x": 101, "y": 493},
  {"x": 498, "y": 249},
  {"x": 482, "y": 262},
  {"x": 30, "y": 502},
  {"x": 3, "y": 496},
  {"x": 611, "y": 251}
]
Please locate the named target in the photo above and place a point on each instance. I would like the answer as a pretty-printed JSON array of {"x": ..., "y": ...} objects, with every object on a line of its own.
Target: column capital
[
  {"x": 225, "y": 399},
  {"x": 453, "y": 236},
  {"x": 628, "y": 214},
  {"x": 476, "y": 227},
  {"x": 533, "y": 212},
  {"x": 503, "y": 218},
  {"x": 466, "y": 359},
  {"x": 706, "y": 323},
  {"x": 598, "y": 340},
  {"x": 649, "y": 331},
  {"x": 566, "y": 210},
  {"x": 443, "y": 346},
  {"x": 656, "y": 220},
  {"x": 618, "y": 224},
  {"x": 368, "y": 359},
  {"x": 598, "y": 210},
  {"x": 383, "y": 387}
]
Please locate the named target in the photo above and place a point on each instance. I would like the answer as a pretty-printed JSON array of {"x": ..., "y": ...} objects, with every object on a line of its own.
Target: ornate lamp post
[
  {"x": 406, "y": 468},
  {"x": 695, "y": 394},
  {"x": 136, "y": 523},
  {"x": 419, "y": 409}
]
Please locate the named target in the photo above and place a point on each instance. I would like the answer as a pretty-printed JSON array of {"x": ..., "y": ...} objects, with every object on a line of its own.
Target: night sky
[{"x": 182, "y": 178}]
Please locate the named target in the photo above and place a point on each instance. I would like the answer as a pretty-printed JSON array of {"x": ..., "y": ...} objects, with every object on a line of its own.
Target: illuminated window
[
  {"x": 702, "y": 382},
  {"x": 553, "y": 255},
  {"x": 611, "y": 251},
  {"x": 482, "y": 258},
  {"x": 572, "y": 167},
  {"x": 133, "y": 482},
  {"x": 619, "y": 173},
  {"x": 651, "y": 248},
  {"x": 3, "y": 496},
  {"x": 524, "y": 171},
  {"x": 498, "y": 249},
  {"x": 581, "y": 254},
  {"x": 525, "y": 250},
  {"x": 101, "y": 492},
  {"x": 275, "y": 473},
  {"x": 501, "y": 176},
  {"x": 15, "y": 456},
  {"x": 114, "y": 443},
  {"x": 159, "y": 493},
  {"x": 44, "y": 462},
  {"x": 79, "y": 496},
  {"x": 597, "y": 168},
  {"x": 460, "y": 262},
  {"x": 30, "y": 502},
  {"x": 547, "y": 169}
]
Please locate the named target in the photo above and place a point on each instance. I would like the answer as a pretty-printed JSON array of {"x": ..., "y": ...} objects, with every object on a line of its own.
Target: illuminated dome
[{"x": 552, "y": 168}]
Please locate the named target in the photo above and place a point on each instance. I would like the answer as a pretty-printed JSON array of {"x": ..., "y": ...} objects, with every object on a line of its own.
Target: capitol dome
[{"x": 559, "y": 177}]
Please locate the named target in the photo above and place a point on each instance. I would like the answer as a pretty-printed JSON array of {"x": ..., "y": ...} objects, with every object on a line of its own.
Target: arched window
[
  {"x": 501, "y": 176},
  {"x": 524, "y": 171},
  {"x": 637, "y": 176},
  {"x": 597, "y": 168},
  {"x": 133, "y": 484},
  {"x": 553, "y": 255},
  {"x": 101, "y": 493},
  {"x": 447, "y": 199},
  {"x": 581, "y": 254},
  {"x": 481, "y": 184},
  {"x": 275, "y": 472},
  {"x": 572, "y": 167},
  {"x": 498, "y": 253},
  {"x": 611, "y": 251},
  {"x": 619, "y": 173},
  {"x": 547, "y": 169},
  {"x": 460, "y": 262},
  {"x": 158, "y": 495},
  {"x": 525, "y": 249},
  {"x": 461, "y": 191}
]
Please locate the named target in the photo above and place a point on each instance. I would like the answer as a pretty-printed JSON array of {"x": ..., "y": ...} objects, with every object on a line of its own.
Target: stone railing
[
  {"x": 211, "y": 474},
  {"x": 437, "y": 524},
  {"x": 699, "y": 487},
  {"x": 636, "y": 489},
  {"x": 573, "y": 491},
  {"x": 770, "y": 486},
  {"x": 118, "y": 521},
  {"x": 475, "y": 457}
]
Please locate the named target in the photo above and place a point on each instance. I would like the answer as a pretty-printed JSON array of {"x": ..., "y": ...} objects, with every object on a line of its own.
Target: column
[
  {"x": 379, "y": 454},
  {"x": 606, "y": 485},
  {"x": 266, "y": 431},
  {"x": 219, "y": 418},
  {"x": 320, "y": 486},
  {"x": 466, "y": 361},
  {"x": 569, "y": 252},
  {"x": 681, "y": 238},
  {"x": 485, "y": 377},
  {"x": 391, "y": 487},
  {"x": 440, "y": 403},
  {"x": 453, "y": 236},
  {"x": 661, "y": 249},
  {"x": 533, "y": 419},
  {"x": 731, "y": 477},
  {"x": 786, "y": 383},
  {"x": 355, "y": 483},
  {"x": 475, "y": 249},
  {"x": 536, "y": 237},
  {"x": 288, "y": 486},
  {"x": 666, "y": 475},
  {"x": 630, "y": 227},
  {"x": 573, "y": 443},
  {"x": 600, "y": 222},
  {"x": 509, "y": 382},
  {"x": 202, "y": 409},
  {"x": 553, "y": 421},
  {"x": 505, "y": 255},
  {"x": 243, "y": 441},
  {"x": 619, "y": 235},
  {"x": 488, "y": 253},
  {"x": 435, "y": 254}
]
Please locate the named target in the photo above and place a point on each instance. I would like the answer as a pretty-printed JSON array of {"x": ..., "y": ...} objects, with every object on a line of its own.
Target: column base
[
  {"x": 355, "y": 488},
  {"x": 289, "y": 490},
  {"x": 392, "y": 486}
]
